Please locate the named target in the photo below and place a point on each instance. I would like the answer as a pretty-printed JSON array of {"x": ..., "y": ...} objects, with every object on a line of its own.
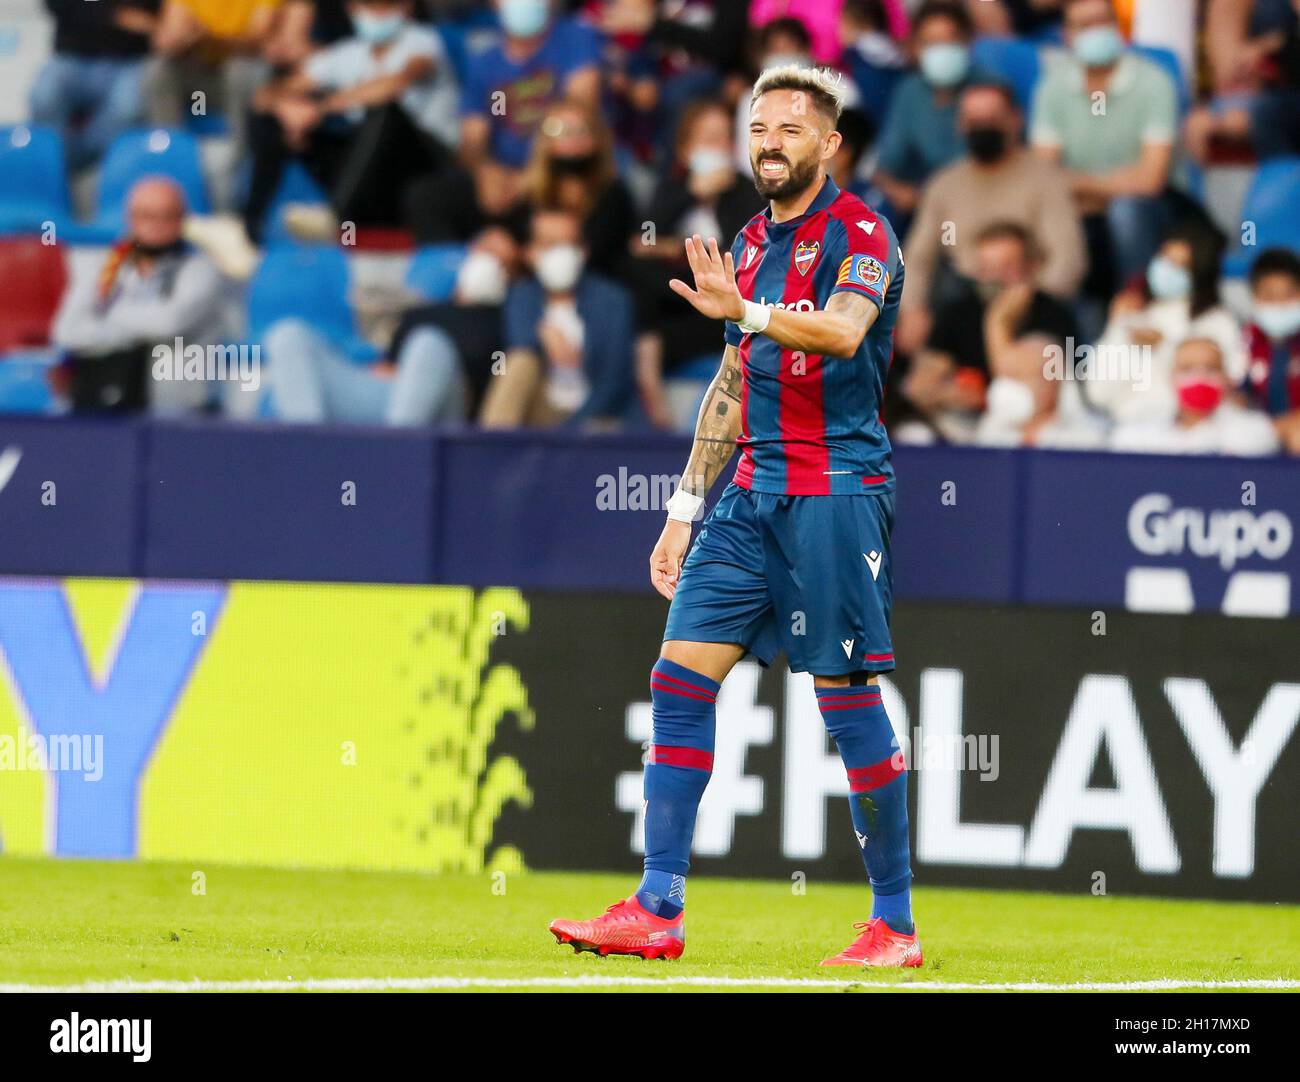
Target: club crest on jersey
[{"x": 805, "y": 255}]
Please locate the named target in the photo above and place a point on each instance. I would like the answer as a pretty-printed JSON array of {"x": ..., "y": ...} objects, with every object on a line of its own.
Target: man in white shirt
[
  {"x": 365, "y": 116},
  {"x": 1204, "y": 421},
  {"x": 151, "y": 294},
  {"x": 1109, "y": 117}
]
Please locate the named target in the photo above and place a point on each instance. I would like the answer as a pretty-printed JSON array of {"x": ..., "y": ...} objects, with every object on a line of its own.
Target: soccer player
[{"x": 796, "y": 553}]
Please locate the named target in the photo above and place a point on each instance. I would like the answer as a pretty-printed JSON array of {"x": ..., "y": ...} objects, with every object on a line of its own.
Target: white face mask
[
  {"x": 481, "y": 279},
  {"x": 1278, "y": 321},
  {"x": 708, "y": 160},
  {"x": 525, "y": 18},
  {"x": 377, "y": 29},
  {"x": 1010, "y": 401},
  {"x": 1168, "y": 281},
  {"x": 944, "y": 65},
  {"x": 559, "y": 267}
]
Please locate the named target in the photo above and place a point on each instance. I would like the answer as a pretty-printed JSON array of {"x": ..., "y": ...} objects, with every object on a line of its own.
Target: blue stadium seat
[
  {"x": 1012, "y": 59},
  {"x": 1271, "y": 206},
  {"x": 307, "y": 282},
  {"x": 296, "y": 186},
  {"x": 169, "y": 152},
  {"x": 432, "y": 272},
  {"x": 1168, "y": 60},
  {"x": 24, "y": 381},
  {"x": 33, "y": 188}
]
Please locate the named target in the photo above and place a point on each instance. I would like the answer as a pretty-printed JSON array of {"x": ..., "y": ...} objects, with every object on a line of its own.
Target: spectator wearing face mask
[
  {"x": 1272, "y": 381},
  {"x": 992, "y": 313},
  {"x": 1200, "y": 418},
  {"x": 365, "y": 116},
  {"x": 700, "y": 193},
  {"x": 543, "y": 58},
  {"x": 1109, "y": 117},
  {"x": 920, "y": 135},
  {"x": 568, "y": 338},
  {"x": 1178, "y": 298},
  {"x": 998, "y": 181},
  {"x": 441, "y": 355},
  {"x": 572, "y": 168},
  {"x": 1024, "y": 403}
]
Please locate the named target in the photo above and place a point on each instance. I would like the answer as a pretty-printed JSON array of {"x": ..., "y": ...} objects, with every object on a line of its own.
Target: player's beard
[{"x": 798, "y": 176}]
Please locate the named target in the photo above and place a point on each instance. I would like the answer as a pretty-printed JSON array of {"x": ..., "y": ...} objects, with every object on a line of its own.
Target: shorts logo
[
  {"x": 873, "y": 562},
  {"x": 848, "y": 647},
  {"x": 805, "y": 255}
]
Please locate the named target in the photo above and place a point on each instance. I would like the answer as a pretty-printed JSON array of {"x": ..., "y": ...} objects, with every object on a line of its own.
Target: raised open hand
[{"x": 715, "y": 294}]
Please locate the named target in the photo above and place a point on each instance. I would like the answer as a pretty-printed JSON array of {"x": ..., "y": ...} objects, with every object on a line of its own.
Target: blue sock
[
  {"x": 681, "y": 759},
  {"x": 856, "y": 718}
]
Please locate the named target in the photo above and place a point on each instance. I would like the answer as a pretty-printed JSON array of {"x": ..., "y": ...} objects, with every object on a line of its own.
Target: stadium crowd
[{"x": 1075, "y": 183}]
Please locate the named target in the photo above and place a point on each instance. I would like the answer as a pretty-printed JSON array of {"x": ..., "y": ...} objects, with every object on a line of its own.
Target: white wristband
[
  {"x": 756, "y": 318},
  {"x": 684, "y": 507}
]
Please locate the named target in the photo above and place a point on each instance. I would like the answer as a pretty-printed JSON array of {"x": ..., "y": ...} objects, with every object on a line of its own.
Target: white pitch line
[{"x": 421, "y": 984}]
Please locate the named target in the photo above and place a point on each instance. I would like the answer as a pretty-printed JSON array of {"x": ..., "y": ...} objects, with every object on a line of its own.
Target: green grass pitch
[{"x": 78, "y": 922}]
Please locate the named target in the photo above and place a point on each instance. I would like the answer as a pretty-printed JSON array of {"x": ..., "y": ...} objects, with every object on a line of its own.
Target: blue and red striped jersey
[{"x": 810, "y": 425}]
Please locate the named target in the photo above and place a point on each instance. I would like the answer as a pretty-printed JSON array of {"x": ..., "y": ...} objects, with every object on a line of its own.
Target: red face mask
[{"x": 1200, "y": 395}]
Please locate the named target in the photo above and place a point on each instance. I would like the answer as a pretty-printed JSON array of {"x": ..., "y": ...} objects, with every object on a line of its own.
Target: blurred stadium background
[{"x": 351, "y": 574}]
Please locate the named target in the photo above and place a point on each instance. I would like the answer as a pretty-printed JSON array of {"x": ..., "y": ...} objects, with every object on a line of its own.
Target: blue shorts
[{"x": 810, "y": 574}]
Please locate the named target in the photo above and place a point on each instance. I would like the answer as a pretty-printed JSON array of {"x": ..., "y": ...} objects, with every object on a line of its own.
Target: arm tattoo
[
  {"x": 855, "y": 306},
  {"x": 717, "y": 427}
]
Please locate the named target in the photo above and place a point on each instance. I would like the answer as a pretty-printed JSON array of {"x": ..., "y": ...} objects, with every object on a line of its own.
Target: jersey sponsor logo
[
  {"x": 805, "y": 255},
  {"x": 863, "y": 271},
  {"x": 804, "y": 305},
  {"x": 873, "y": 559}
]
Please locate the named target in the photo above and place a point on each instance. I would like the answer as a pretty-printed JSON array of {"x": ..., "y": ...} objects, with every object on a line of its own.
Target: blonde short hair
[{"x": 824, "y": 86}]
